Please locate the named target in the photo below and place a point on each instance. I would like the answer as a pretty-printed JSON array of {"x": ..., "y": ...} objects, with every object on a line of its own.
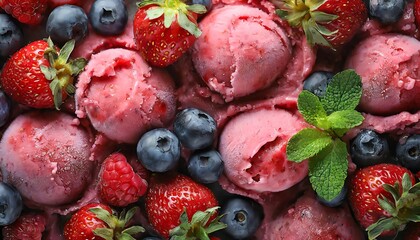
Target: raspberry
[
  {"x": 118, "y": 184},
  {"x": 27, "y": 226}
]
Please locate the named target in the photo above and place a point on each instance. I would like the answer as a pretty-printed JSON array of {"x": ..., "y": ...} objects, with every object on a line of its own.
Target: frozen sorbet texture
[
  {"x": 123, "y": 96},
  {"x": 240, "y": 51},
  {"x": 47, "y": 158},
  {"x": 389, "y": 66},
  {"x": 253, "y": 148}
]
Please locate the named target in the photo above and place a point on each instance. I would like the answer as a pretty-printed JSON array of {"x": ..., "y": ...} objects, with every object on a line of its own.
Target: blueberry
[
  {"x": 317, "y": 82},
  {"x": 205, "y": 166},
  {"x": 337, "y": 201},
  {"x": 67, "y": 22},
  {"x": 242, "y": 217},
  {"x": 10, "y": 204},
  {"x": 159, "y": 150},
  {"x": 386, "y": 11},
  {"x": 408, "y": 152},
  {"x": 108, "y": 17},
  {"x": 11, "y": 37},
  {"x": 369, "y": 148},
  {"x": 206, "y": 3},
  {"x": 4, "y": 108},
  {"x": 195, "y": 128}
]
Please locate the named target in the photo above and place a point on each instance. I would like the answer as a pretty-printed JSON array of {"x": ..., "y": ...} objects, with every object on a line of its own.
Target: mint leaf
[
  {"x": 328, "y": 170},
  {"x": 311, "y": 108},
  {"x": 345, "y": 119},
  {"x": 343, "y": 92},
  {"x": 306, "y": 144}
]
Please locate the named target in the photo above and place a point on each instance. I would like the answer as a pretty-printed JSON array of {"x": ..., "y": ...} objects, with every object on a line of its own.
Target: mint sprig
[{"x": 331, "y": 116}]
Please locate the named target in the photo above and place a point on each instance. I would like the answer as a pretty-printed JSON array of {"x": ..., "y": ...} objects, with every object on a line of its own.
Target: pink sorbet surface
[
  {"x": 253, "y": 148},
  {"x": 123, "y": 96},
  {"x": 389, "y": 66},
  {"x": 240, "y": 51},
  {"x": 310, "y": 220},
  {"x": 47, "y": 158}
]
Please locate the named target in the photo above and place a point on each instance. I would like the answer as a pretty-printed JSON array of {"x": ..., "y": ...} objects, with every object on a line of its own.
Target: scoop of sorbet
[
  {"x": 389, "y": 66},
  {"x": 47, "y": 158},
  {"x": 123, "y": 96},
  {"x": 240, "y": 51},
  {"x": 253, "y": 148}
]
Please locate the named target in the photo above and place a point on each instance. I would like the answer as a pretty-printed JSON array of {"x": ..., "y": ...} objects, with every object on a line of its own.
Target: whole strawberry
[
  {"x": 96, "y": 221},
  {"x": 330, "y": 23},
  {"x": 40, "y": 75},
  {"x": 27, "y": 226},
  {"x": 118, "y": 184},
  {"x": 29, "y": 12},
  {"x": 165, "y": 29},
  {"x": 383, "y": 199},
  {"x": 169, "y": 195}
]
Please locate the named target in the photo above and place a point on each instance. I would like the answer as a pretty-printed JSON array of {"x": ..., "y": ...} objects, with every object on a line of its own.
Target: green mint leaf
[
  {"x": 343, "y": 92},
  {"x": 306, "y": 144},
  {"x": 328, "y": 170},
  {"x": 311, "y": 108},
  {"x": 345, "y": 119}
]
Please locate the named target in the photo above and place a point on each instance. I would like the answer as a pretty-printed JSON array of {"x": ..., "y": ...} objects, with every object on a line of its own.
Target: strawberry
[
  {"x": 27, "y": 226},
  {"x": 416, "y": 9},
  {"x": 174, "y": 199},
  {"x": 165, "y": 29},
  {"x": 37, "y": 74},
  {"x": 30, "y": 12},
  {"x": 96, "y": 221},
  {"x": 118, "y": 184},
  {"x": 383, "y": 199},
  {"x": 330, "y": 23}
]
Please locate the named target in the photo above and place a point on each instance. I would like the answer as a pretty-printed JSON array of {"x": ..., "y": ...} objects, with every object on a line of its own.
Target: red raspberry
[
  {"x": 118, "y": 184},
  {"x": 27, "y": 226}
]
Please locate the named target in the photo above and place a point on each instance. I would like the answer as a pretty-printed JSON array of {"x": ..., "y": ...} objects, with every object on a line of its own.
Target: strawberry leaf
[
  {"x": 322, "y": 17},
  {"x": 66, "y": 50},
  {"x": 186, "y": 24},
  {"x": 104, "y": 233},
  {"x": 49, "y": 72},
  {"x": 384, "y": 224},
  {"x": 169, "y": 17},
  {"x": 103, "y": 215},
  {"x": 125, "y": 236},
  {"x": 197, "y": 8},
  {"x": 391, "y": 190},
  {"x": 387, "y": 205},
  {"x": 77, "y": 65},
  {"x": 154, "y": 13},
  {"x": 57, "y": 93},
  {"x": 133, "y": 230}
]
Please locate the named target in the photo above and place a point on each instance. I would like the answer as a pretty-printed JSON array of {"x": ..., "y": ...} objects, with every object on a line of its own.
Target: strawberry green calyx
[
  {"x": 117, "y": 226},
  {"x": 171, "y": 9},
  {"x": 404, "y": 208},
  {"x": 305, "y": 14},
  {"x": 62, "y": 70},
  {"x": 199, "y": 227}
]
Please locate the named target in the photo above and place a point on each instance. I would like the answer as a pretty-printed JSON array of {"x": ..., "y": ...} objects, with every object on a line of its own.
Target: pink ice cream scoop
[
  {"x": 123, "y": 96},
  {"x": 47, "y": 158},
  {"x": 310, "y": 220},
  {"x": 240, "y": 51},
  {"x": 253, "y": 148},
  {"x": 389, "y": 66}
]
